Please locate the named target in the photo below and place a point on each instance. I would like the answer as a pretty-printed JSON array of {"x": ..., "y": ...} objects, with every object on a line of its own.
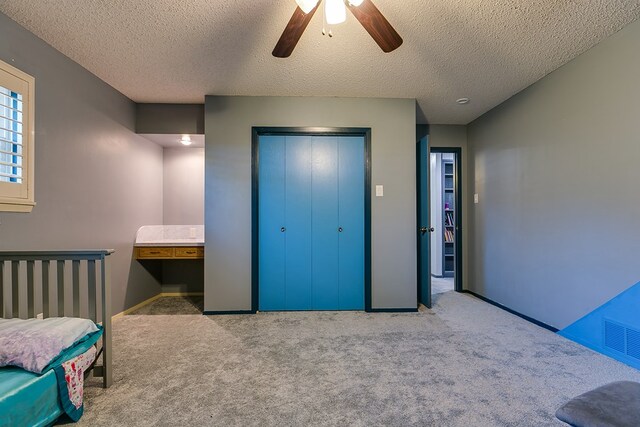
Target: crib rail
[{"x": 59, "y": 283}]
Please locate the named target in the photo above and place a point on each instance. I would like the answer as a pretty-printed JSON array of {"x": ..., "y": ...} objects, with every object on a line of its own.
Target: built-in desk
[{"x": 170, "y": 242}]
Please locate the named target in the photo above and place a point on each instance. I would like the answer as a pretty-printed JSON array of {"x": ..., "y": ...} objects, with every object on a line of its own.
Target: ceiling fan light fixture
[
  {"x": 335, "y": 11},
  {"x": 307, "y": 5}
]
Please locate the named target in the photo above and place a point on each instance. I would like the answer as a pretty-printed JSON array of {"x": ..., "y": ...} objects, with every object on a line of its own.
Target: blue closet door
[
  {"x": 271, "y": 208},
  {"x": 324, "y": 234},
  {"x": 298, "y": 211},
  {"x": 351, "y": 171},
  {"x": 311, "y": 223}
]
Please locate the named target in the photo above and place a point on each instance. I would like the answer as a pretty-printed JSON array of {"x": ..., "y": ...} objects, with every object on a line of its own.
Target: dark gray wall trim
[
  {"x": 507, "y": 309},
  {"x": 170, "y": 118},
  {"x": 228, "y": 313}
]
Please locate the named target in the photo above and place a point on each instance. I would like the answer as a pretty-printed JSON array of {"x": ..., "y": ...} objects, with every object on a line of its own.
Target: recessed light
[
  {"x": 463, "y": 101},
  {"x": 186, "y": 140}
]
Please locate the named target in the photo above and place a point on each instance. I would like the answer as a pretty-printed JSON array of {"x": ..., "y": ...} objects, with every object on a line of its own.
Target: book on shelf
[
  {"x": 449, "y": 219},
  {"x": 448, "y": 236}
]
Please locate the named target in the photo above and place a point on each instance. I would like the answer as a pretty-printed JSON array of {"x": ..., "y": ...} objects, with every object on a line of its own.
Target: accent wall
[{"x": 228, "y": 126}]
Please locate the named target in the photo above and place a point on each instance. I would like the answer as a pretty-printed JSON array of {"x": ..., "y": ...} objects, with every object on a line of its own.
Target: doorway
[
  {"x": 440, "y": 218},
  {"x": 311, "y": 219},
  {"x": 444, "y": 207}
]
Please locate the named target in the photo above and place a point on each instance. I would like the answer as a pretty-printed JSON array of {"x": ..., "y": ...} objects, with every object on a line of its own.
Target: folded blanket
[
  {"x": 70, "y": 376},
  {"x": 33, "y": 344}
]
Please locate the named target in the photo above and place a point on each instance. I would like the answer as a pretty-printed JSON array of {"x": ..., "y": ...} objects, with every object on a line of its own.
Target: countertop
[{"x": 170, "y": 235}]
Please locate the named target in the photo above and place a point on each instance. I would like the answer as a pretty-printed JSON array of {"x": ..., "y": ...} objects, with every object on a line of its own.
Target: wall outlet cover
[
  {"x": 379, "y": 191},
  {"x": 476, "y": 198}
]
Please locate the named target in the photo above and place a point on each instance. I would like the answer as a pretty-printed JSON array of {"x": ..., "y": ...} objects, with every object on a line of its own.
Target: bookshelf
[{"x": 448, "y": 218}]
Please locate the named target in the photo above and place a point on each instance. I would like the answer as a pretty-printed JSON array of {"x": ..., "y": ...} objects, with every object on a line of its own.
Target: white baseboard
[{"x": 152, "y": 299}]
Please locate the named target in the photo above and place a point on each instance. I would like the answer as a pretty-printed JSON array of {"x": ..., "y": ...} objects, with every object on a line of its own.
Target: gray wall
[
  {"x": 96, "y": 181},
  {"x": 456, "y": 136},
  {"x": 228, "y": 122},
  {"x": 170, "y": 118},
  {"x": 557, "y": 227},
  {"x": 183, "y": 185},
  {"x": 183, "y": 204}
]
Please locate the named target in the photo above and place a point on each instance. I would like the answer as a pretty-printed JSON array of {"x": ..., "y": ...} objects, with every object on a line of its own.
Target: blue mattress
[{"x": 28, "y": 399}]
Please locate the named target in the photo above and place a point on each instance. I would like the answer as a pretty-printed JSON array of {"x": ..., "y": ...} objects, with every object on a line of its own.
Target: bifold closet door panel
[
  {"x": 271, "y": 207},
  {"x": 324, "y": 234},
  {"x": 351, "y": 172},
  {"x": 298, "y": 214}
]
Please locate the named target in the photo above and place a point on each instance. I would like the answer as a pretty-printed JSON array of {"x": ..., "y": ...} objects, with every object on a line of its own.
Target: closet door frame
[{"x": 256, "y": 133}]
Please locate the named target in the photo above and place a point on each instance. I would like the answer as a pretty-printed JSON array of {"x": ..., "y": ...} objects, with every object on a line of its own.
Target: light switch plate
[
  {"x": 379, "y": 191},
  {"x": 476, "y": 198}
]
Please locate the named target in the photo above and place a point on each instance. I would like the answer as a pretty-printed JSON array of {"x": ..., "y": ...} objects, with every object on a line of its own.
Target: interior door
[{"x": 424, "y": 227}]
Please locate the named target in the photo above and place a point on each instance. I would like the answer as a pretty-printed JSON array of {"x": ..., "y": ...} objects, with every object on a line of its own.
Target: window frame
[{"x": 20, "y": 197}]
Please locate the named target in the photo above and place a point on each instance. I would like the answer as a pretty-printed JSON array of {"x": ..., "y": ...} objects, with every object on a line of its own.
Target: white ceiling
[{"x": 178, "y": 51}]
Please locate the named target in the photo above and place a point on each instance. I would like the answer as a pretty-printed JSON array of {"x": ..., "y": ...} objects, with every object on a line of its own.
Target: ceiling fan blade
[
  {"x": 376, "y": 25},
  {"x": 292, "y": 33}
]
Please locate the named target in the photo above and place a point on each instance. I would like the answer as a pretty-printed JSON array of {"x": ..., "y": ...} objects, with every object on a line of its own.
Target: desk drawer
[
  {"x": 195, "y": 252},
  {"x": 155, "y": 252}
]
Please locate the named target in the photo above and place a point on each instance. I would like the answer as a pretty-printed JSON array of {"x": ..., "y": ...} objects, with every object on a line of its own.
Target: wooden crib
[{"x": 60, "y": 283}]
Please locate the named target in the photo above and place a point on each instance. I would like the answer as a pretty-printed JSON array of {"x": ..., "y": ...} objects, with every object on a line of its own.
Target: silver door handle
[
  {"x": 339, "y": 229},
  {"x": 282, "y": 229},
  {"x": 425, "y": 229}
]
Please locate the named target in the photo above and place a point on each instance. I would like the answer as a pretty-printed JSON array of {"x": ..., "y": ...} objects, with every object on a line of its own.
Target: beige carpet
[{"x": 464, "y": 363}]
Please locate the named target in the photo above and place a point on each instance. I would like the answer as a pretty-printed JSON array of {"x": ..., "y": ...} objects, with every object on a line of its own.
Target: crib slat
[
  {"x": 2, "y": 289},
  {"x": 91, "y": 282},
  {"x": 60, "y": 273},
  {"x": 30, "y": 292},
  {"x": 45, "y": 288},
  {"x": 105, "y": 284},
  {"x": 15, "y": 288},
  {"x": 76, "y": 287}
]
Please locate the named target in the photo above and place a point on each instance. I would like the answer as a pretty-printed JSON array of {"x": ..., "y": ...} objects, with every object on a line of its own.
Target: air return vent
[
  {"x": 614, "y": 336},
  {"x": 633, "y": 343},
  {"x": 622, "y": 339}
]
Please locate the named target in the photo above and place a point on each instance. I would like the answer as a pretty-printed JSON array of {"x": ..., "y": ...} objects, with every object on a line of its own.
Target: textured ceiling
[{"x": 178, "y": 51}]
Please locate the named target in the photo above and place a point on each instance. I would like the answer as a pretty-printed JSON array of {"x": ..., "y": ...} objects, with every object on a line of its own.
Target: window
[{"x": 16, "y": 139}]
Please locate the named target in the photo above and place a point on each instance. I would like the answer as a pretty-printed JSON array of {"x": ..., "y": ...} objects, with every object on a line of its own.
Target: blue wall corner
[{"x": 612, "y": 329}]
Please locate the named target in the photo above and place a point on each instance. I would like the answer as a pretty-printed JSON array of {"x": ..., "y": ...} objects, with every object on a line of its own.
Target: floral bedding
[{"x": 70, "y": 376}]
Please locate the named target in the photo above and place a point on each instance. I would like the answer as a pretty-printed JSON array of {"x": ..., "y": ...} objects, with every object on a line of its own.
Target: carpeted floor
[
  {"x": 173, "y": 305},
  {"x": 464, "y": 363},
  {"x": 441, "y": 285}
]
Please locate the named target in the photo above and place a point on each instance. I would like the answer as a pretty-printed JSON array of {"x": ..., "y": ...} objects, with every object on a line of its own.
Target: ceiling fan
[{"x": 335, "y": 12}]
